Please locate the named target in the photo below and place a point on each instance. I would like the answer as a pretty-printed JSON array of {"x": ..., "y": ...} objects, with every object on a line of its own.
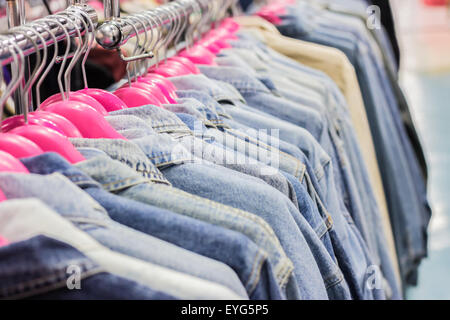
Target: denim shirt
[
  {"x": 389, "y": 141},
  {"x": 37, "y": 269},
  {"x": 232, "y": 101},
  {"x": 124, "y": 212},
  {"x": 179, "y": 168},
  {"x": 340, "y": 119},
  {"x": 123, "y": 181},
  {"x": 202, "y": 148},
  {"x": 190, "y": 177},
  {"x": 161, "y": 151},
  {"x": 335, "y": 203},
  {"x": 256, "y": 147},
  {"x": 23, "y": 219},
  {"x": 162, "y": 223}
]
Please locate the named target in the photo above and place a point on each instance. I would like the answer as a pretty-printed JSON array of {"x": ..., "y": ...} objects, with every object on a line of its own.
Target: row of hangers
[{"x": 81, "y": 114}]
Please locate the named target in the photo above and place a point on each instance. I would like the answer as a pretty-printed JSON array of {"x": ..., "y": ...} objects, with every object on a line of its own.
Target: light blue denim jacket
[{"x": 78, "y": 207}]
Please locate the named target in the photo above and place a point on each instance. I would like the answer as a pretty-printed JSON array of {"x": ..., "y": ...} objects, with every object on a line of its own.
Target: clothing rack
[
  {"x": 30, "y": 41},
  {"x": 117, "y": 31},
  {"x": 26, "y": 45}
]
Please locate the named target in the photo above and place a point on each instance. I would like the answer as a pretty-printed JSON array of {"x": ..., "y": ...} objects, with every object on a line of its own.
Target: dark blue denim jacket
[
  {"x": 37, "y": 269},
  {"x": 224, "y": 245}
]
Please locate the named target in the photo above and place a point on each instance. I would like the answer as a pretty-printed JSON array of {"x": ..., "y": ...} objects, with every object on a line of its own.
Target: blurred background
[{"x": 423, "y": 29}]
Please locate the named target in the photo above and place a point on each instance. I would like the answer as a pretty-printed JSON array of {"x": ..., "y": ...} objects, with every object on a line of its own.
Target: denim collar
[
  {"x": 126, "y": 152},
  {"x": 219, "y": 91},
  {"x": 111, "y": 174},
  {"x": 241, "y": 80},
  {"x": 58, "y": 192},
  {"x": 127, "y": 122},
  {"x": 198, "y": 127},
  {"x": 249, "y": 62},
  {"x": 196, "y": 109},
  {"x": 214, "y": 107},
  {"x": 42, "y": 266},
  {"x": 244, "y": 58},
  {"x": 163, "y": 150},
  {"x": 131, "y": 127},
  {"x": 302, "y": 16},
  {"x": 50, "y": 162},
  {"x": 161, "y": 120}
]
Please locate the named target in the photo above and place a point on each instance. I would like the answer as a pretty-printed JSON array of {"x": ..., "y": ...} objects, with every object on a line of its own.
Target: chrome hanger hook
[
  {"x": 52, "y": 61},
  {"x": 16, "y": 77}
]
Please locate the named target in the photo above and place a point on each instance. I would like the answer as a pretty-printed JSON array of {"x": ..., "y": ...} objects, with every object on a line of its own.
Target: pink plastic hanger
[
  {"x": 11, "y": 144},
  {"x": 140, "y": 82},
  {"x": 46, "y": 119},
  {"x": 274, "y": 10},
  {"x": 75, "y": 96},
  {"x": 198, "y": 54},
  {"x": 149, "y": 87},
  {"x": 107, "y": 99},
  {"x": 3, "y": 241},
  {"x": 135, "y": 96},
  {"x": 47, "y": 139},
  {"x": 216, "y": 39},
  {"x": 19, "y": 120},
  {"x": 10, "y": 164},
  {"x": 88, "y": 120},
  {"x": 50, "y": 141},
  {"x": 164, "y": 85},
  {"x": 2, "y": 198},
  {"x": 18, "y": 146}
]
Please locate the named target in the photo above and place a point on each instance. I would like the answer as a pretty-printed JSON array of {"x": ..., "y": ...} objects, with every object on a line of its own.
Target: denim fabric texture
[
  {"x": 235, "y": 196},
  {"x": 162, "y": 223},
  {"x": 26, "y": 218},
  {"x": 37, "y": 269}
]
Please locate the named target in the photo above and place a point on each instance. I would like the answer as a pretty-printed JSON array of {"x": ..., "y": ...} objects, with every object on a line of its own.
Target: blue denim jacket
[
  {"x": 334, "y": 201},
  {"x": 82, "y": 210},
  {"x": 338, "y": 117},
  {"x": 399, "y": 167},
  {"x": 154, "y": 146},
  {"x": 166, "y": 225},
  {"x": 233, "y": 196},
  {"x": 120, "y": 179},
  {"x": 37, "y": 269}
]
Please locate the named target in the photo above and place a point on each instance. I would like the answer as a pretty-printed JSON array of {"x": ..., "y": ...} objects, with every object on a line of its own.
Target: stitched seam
[
  {"x": 284, "y": 269},
  {"x": 331, "y": 283},
  {"x": 256, "y": 269},
  {"x": 285, "y": 277},
  {"x": 130, "y": 181}
]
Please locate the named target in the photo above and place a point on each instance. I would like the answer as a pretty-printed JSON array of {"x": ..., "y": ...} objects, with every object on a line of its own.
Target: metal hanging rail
[
  {"x": 116, "y": 31},
  {"x": 27, "y": 47}
]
